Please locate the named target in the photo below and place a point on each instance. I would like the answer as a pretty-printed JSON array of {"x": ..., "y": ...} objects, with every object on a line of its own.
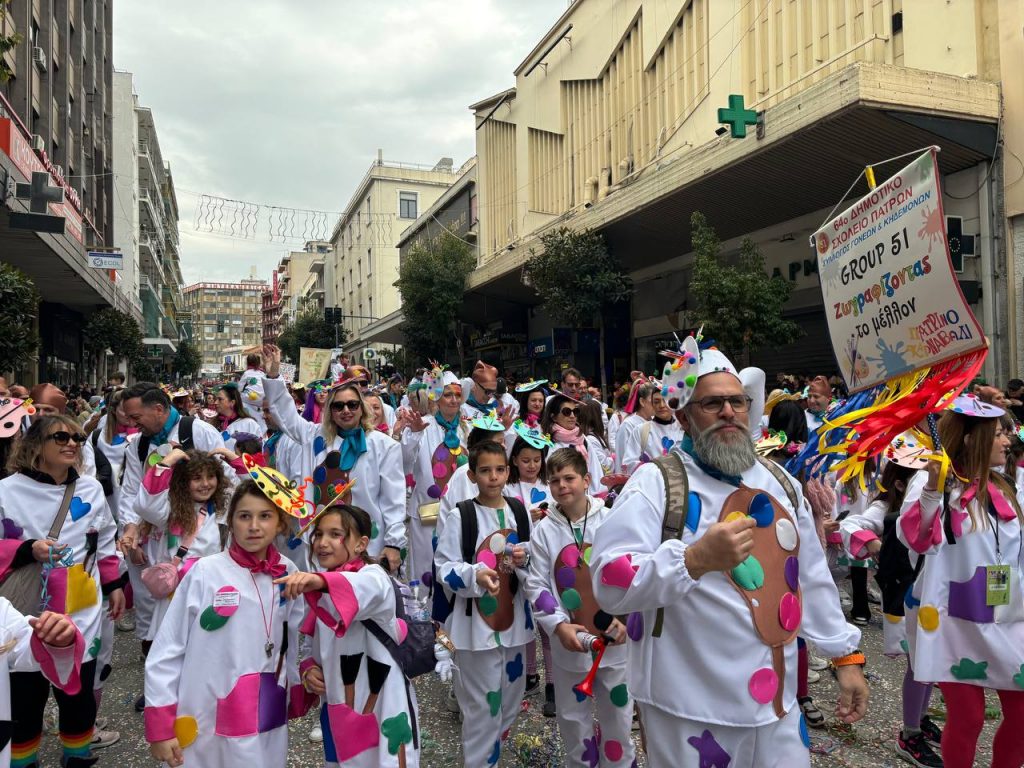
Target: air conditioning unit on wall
[{"x": 39, "y": 58}]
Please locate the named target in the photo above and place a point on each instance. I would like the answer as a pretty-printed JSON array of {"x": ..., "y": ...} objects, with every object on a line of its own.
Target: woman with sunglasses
[
  {"x": 81, "y": 572},
  {"x": 561, "y": 421},
  {"x": 345, "y": 445}
]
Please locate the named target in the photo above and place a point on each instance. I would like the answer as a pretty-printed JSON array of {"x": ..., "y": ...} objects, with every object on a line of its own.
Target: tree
[
  {"x": 432, "y": 281},
  {"x": 19, "y": 302},
  {"x": 309, "y": 329},
  {"x": 187, "y": 360},
  {"x": 739, "y": 305},
  {"x": 7, "y": 43},
  {"x": 114, "y": 330},
  {"x": 577, "y": 278}
]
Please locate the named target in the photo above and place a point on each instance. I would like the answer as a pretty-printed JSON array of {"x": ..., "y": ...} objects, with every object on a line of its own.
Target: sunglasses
[
  {"x": 567, "y": 412},
  {"x": 346, "y": 405},
  {"x": 63, "y": 437}
]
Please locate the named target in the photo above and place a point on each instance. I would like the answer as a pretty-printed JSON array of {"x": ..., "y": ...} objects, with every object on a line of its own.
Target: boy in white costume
[
  {"x": 711, "y": 688},
  {"x": 490, "y": 621},
  {"x": 559, "y": 581}
]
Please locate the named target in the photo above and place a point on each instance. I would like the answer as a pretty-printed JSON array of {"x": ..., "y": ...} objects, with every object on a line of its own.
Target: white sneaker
[
  {"x": 816, "y": 663},
  {"x": 452, "y": 702},
  {"x": 812, "y": 676},
  {"x": 101, "y": 739},
  {"x": 316, "y": 734},
  {"x": 126, "y": 623},
  {"x": 845, "y": 602}
]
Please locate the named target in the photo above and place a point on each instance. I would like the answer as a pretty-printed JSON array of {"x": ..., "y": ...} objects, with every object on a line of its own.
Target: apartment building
[
  {"x": 612, "y": 124},
  {"x": 224, "y": 316},
  {"x": 298, "y": 274}
]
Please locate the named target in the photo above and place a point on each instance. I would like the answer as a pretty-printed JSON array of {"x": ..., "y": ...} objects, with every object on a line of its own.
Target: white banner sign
[
  {"x": 288, "y": 372},
  {"x": 104, "y": 260},
  {"x": 892, "y": 301}
]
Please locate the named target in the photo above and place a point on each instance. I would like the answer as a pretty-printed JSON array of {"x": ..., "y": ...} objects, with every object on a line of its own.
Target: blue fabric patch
[
  {"x": 319, "y": 475},
  {"x": 537, "y": 495},
  {"x": 528, "y": 615},
  {"x": 454, "y": 581},
  {"x": 330, "y": 752},
  {"x": 79, "y": 508},
  {"x": 495, "y": 753},
  {"x": 805, "y": 737},
  {"x": 319, "y": 445},
  {"x": 693, "y": 512},
  {"x": 514, "y": 668}
]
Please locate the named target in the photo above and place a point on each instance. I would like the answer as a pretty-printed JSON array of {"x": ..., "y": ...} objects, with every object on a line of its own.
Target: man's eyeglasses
[
  {"x": 489, "y": 392},
  {"x": 738, "y": 403},
  {"x": 63, "y": 438},
  {"x": 346, "y": 405},
  {"x": 567, "y": 412}
]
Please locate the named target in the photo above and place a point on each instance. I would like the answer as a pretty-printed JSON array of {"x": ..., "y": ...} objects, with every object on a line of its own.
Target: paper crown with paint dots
[
  {"x": 285, "y": 493},
  {"x": 694, "y": 358}
]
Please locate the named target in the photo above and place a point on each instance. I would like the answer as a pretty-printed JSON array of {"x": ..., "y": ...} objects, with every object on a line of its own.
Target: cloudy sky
[{"x": 285, "y": 102}]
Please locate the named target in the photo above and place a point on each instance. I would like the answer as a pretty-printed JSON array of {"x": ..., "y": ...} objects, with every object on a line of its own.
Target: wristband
[{"x": 850, "y": 659}]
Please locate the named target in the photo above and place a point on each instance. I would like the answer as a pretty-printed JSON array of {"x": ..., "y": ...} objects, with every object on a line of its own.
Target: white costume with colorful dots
[
  {"x": 379, "y": 480},
  {"x": 245, "y": 425},
  {"x": 360, "y": 732},
  {"x": 209, "y": 679},
  {"x": 432, "y": 465},
  {"x": 551, "y": 588},
  {"x": 955, "y": 635},
  {"x": 708, "y": 667},
  {"x": 490, "y": 665}
]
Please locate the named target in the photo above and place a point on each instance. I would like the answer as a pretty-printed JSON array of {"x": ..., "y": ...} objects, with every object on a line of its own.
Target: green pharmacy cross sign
[{"x": 737, "y": 117}]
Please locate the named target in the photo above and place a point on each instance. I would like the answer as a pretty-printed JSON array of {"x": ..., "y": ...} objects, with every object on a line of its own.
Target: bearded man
[{"x": 713, "y": 553}]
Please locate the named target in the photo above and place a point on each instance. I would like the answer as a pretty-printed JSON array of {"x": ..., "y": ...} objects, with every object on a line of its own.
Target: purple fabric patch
[
  {"x": 635, "y": 626},
  {"x": 565, "y": 578},
  {"x": 792, "y": 571},
  {"x": 967, "y": 599},
  {"x": 273, "y": 703}
]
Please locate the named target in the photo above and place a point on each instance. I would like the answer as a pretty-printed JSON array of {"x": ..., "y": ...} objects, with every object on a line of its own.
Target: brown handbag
[{"x": 23, "y": 587}]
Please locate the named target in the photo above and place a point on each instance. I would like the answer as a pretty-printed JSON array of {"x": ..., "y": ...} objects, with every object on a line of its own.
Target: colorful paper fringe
[{"x": 864, "y": 425}]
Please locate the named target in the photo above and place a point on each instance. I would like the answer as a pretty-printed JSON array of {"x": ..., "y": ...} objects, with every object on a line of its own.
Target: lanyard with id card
[{"x": 1002, "y": 589}]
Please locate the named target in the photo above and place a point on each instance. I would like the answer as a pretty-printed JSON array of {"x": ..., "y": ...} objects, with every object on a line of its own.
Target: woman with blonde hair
[
  {"x": 346, "y": 445},
  {"x": 965, "y": 625}
]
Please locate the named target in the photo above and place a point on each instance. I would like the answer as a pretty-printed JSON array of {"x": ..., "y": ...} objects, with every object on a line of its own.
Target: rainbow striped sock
[
  {"x": 25, "y": 753},
  {"x": 77, "y": 744}
]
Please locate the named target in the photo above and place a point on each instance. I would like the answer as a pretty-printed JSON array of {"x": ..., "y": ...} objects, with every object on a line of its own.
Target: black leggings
[
  {"x": 77, "y": 714},
  {"x": 859, "y": 589}
]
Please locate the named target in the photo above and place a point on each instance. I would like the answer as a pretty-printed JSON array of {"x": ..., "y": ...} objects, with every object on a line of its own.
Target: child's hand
[
  {"x": 874, "y": 546},
  {"x": 168, "y": 752},
  {"x": 519, "y": 556},
  {"x": 617, "y": 630},
  {"x": 225, "y": 453},
  {"x": 54, "y": 629},
  {"x": 313, "y": 681},
  {"x": 488, "y": 579},
  {"x": 174, "y": 457},
  {"x": 537, "y": 514},
  {"x": 298, "y": 583},
  {"x": 566, "y": 633}
]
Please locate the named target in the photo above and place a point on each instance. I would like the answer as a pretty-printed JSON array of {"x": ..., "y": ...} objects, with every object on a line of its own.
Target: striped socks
[
  {"x": 25, "y": 753},
  {"x": 76, "y": 745}
]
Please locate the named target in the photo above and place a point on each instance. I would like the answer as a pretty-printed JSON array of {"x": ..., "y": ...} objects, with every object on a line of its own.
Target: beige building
[
  {"x": 294, "y": 273},
  {"x": 612, "y": 124},
  {"x": 225, "y": 316},
  {"x": 363, "y": 268}
]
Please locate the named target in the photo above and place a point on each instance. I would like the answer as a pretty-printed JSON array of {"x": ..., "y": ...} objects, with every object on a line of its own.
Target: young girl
[
  {"x": 527, "y": 481},
  {"x": 370, "y": 715},
  {"x": 872, "y": 534},
  {"x": 965, "y": 625},
  {"x": 559, "y": 549},
  {"x": 852, "y": 502},
  {"x": 222, "y": 676}
]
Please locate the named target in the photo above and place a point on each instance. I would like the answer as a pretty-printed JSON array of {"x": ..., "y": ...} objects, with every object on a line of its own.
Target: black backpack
[
  {"x": 104, "y": 472},
  {"x": 442, "y": 604},
  {"x": 184, "y": 438},
  {"x": 415, "y": 655}
]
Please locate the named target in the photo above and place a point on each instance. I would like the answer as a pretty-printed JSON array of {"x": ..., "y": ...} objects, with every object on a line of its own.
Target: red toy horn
[{"x": 590, "y": 642}]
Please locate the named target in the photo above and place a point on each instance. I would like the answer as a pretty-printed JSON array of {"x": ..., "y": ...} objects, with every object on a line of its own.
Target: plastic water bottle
[{"x": 417, "y": 609}]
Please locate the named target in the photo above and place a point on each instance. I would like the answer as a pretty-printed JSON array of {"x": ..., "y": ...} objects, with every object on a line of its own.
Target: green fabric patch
[{"x": 397, "y": 731}]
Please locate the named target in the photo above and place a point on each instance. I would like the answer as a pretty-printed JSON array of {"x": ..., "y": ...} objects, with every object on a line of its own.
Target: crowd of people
[{"x": 656, "y": 563}]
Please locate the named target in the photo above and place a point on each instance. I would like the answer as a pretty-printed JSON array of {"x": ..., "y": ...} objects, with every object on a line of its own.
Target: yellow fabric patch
[
  {"x": 735, "y": 516},
  {"x": 185, "y": 730},
  {"x": 892, "y": 619},
  {"x": 928, "y": 618},
  {"x": 81, "y": 589}
]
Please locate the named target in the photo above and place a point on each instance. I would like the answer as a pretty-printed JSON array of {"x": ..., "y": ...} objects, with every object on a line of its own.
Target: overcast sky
[{"x": 285, "y": 102}]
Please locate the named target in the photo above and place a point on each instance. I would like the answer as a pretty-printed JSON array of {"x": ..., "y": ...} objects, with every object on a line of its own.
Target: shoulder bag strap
[
  {"x": 782, "y": 480},
  {"x": 62, "y": 513},
  {"x": 677, "y": 501},
  {"x": 392, "y": 648}
]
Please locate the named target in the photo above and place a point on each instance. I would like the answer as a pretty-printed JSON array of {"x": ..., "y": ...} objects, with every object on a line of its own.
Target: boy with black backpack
[{"x": 482, "y": 563}]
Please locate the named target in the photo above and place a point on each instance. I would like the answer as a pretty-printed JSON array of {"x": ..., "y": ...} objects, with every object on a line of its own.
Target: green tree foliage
[
  {"x": 7, "y": 43},
  {"x": 308, "y": 329},
  {"x": 187, "y": 360},
  {"x": 739, "y": 305},
  {"x": 114, "y": 330},
  {"x": 577, "y": 278},
  {"x": 19, "y": 301},
  {"x": 431, "y": 281}
]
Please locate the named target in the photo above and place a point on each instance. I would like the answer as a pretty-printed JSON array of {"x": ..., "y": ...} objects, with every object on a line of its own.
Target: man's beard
[{"x": 731, "y": 457}]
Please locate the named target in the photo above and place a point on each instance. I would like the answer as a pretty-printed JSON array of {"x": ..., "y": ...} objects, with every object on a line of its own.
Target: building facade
[
  {"x": 363, "y": 266},
  {"x": 56, "y": 117},
  {"x": 294, "y": 274},
  {"x": 270, "y": 314},
  {"x": 146, "y": 224},
  {"x": 612, "y": 125},
  {"x": 225, "y": 315}
]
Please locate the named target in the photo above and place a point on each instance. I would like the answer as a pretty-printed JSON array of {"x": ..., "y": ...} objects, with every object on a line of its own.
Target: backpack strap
[
  {"x": 184, "y": 438},
  {"x": 677, "y": 502},
  {"x": 645, "y": 435},
  {"x": 781, "y": 479},
  {"x": 947, "y": 519},
  {"x": 522, "y": 530},
  {"x": 392, "y": 648},
  {"x": 467, "y": 513}
]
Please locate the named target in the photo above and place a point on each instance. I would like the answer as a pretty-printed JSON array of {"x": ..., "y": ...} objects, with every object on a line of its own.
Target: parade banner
[
  {"x": 313, "y": 363},
  {"x": 288, "y": 372},
  {"x": 892, "y": 300}
]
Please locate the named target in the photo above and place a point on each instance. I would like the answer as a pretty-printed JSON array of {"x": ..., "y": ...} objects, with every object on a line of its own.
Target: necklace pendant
[{"x": 269, "y": 648}]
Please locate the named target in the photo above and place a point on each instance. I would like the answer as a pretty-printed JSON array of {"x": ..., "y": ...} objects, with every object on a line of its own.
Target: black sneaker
[
  {"x": 140, "y": 703},
  {"x": 532, "y": 685},
  {"x": 812, "y": 715},
  {"x": 916, "y": 751},
  {"x": 549, "y": 700},
  {"x": 861, "y": 621},
  {"x": 931, "y": 731}
]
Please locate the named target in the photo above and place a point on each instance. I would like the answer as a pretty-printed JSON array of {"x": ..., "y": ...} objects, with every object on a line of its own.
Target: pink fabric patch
[
  {"x": 487, "y": 558},
  {"x": 410, "y": 481},
  {"x": 763, "y": 685},
  {"x": 352, "y": 732},
  {"x": 257, "y": 704},
  {"x": 61, "y": 666},
  {"x": 619, "y": 572},
  {"x": 160, "y": 722},
  {"x": 186, "y": 566},
  {"x": 403, "y": 630},
  {"x": 157, "y": 479},
  {"x": 918, "y": 539},
  {"x": 613, "y": 748},
  {"x": 110, "y": 569},
  {"x": 8, "y": 549},
  {"x": 238, "y": 466},
  {"x": 571, "y": 556},
  {"x": 859, "y": 542},
  {"x": 789, "y": 612},
  {"x": 343, "y": 598},
  {"x": 57, "y": 590},
  {"x": 300, "y": 701},
  {"x": 834, "y": 538}
]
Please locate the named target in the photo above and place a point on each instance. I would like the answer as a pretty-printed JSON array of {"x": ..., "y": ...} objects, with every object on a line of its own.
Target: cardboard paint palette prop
[
  {"x": 769, "y": 582},
  {"x": 13, "y": 411},
  {"x": 575, "y": 589},
  {"x": 285, "y": 493},
  {"x": 330, "y": 485},
  {"x": 498, "y": 612}
]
